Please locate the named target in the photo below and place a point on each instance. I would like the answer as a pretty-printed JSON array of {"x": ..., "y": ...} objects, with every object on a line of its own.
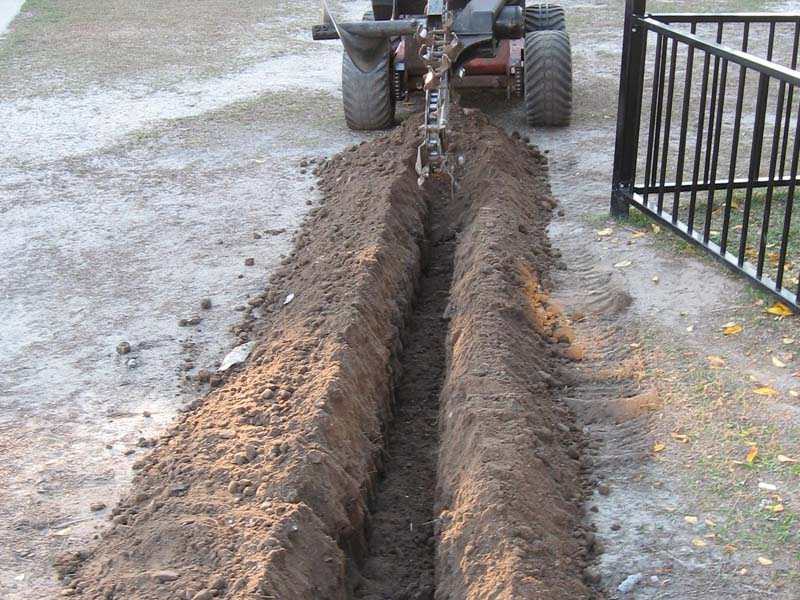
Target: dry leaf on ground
[
  {"x": 780, "y": 309},
  {"x": 765, "y": 390},
  {"x": 681, "y": 437},
  {"x": 764, "y": 560},
  {"x": 751, "y": 456},
  {"x": 622, "y": 264},
  {"x": 658, "y": 447},
  {"x": 731, "y": 329},
  {"x": 778, "y": 363}
]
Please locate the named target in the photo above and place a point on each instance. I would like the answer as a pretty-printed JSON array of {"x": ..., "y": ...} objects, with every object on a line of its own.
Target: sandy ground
[{"x": 146, "y": 144}]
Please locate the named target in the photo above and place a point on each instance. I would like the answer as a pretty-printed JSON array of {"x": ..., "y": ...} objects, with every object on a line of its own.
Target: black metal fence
[{"x": 708, "y": 132}]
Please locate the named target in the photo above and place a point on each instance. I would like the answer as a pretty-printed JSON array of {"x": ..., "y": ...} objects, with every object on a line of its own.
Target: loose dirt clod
[{"x": 419, "y": 344}]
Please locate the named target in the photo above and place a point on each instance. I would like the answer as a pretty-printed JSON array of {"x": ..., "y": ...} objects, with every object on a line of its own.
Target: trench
[{"x": 399, "y": 531}]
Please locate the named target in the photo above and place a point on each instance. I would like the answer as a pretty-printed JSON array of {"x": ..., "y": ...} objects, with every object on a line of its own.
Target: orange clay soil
[{"x": 397, "y": 432}]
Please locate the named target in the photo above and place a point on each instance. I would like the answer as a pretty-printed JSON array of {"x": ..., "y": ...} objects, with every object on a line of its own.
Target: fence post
[{"x": 630, "y": 107}]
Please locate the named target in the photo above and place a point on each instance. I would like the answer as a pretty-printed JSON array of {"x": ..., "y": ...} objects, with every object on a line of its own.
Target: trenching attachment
[{"x": 438, "y": 48}]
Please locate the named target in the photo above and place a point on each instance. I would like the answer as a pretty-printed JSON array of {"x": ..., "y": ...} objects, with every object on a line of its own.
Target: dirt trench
[{"x": 398, "y": 432}]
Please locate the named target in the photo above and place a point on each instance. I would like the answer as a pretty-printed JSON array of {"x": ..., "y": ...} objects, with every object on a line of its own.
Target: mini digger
[{"x": 433, "y": 47}]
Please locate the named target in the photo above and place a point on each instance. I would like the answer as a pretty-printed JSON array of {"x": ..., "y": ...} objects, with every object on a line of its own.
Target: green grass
[{"x": 735, "y": 211}]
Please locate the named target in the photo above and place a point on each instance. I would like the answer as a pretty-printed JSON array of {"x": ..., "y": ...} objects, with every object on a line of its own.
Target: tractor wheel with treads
[
  {"x": 367, "y": 97},
  {"x": 548, "y": 78},
  {"x": 545, "y": 17}
]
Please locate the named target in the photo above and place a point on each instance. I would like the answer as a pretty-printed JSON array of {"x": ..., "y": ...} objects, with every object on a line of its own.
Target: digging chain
[{"x": 438, "y": 46}]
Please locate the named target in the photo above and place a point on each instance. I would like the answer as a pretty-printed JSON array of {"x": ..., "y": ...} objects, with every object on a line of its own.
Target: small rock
[
  {"x": 248, "y": 262},
  {"x": 205, "y": 303},
  {"x": 95, "y": 506},
  {"x": 603, "y": 489},
  {"x": 315, "y": 456},
  {"x": 165, "y": 575},
  {"x": 146, "y": 414},
  {"x": 218, "y": 583},
  {"x": 250, "y": 453},
  {"x": 256, "y": 235},
  {"x": 203, "y": 595},
  {"x": 123, "y": 348},
  {"x": 203, "y": 375},
  {"x": 630, "y": 582},
  {"x": 591, "y": 575}
]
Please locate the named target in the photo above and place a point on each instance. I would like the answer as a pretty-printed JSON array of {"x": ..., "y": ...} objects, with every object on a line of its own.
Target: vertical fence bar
[
  {"x": 755, "y": 160},
  {"x": 712, "y": 108},
  {"x": 687, "y": 94},
  {"x": 723, "y": 82},
  {"x": 787, "y": 216},
  {"x": 667, "y": 124},
  {"x": 789, "y": 103},
  {"x": 737, "y": 121},
  {"x": 699, "y": 142},
  {"x": 662, "y": 61},
  {"x": 773, "y": 163},
  {"x": 652, "y": 140},
  {"x": 629, "y": 110}
]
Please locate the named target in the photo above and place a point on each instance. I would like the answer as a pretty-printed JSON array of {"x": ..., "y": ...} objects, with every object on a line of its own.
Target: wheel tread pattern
[
  {"x": 545, "y": 17},
  {"x": 548, "y": 78},
  {"x": 367, "y": 97}
]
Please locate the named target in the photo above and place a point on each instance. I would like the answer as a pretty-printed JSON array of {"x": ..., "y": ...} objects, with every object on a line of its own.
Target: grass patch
[{"x": 741, "y": 225}]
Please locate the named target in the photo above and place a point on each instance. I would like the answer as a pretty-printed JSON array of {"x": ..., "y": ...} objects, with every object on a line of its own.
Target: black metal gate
[{"x": 714, "y": 97}]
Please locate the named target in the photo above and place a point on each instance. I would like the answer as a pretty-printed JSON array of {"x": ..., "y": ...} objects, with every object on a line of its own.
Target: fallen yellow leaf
[
  {"x": 780, "y": 309},
  {"x": 765, "y": 390},
  {"x": 656, "y": 229},
  {"x": 751, "y": 456},
  {"x": 776, "y": 508},
  {"x": 764, "y": 561},
  {"x": 622, "y": 264},
  {"x": 690, "y": 519},
  {"x": 778, "y": 363},
  {"x": 637, "y": 235},
  {"x": 658, "y": 447},
  {"x": 710, "y": 523},
  {"x": 788, "y": 341},
  {"x": 732, "y": 329},
  {"x": 794, "y": 393},
  {"x": 605, "y": 232},
  {"x": 786, "y": 459},
  {"x": 681, "y": 437},
  {"x": 698, "y": 542},
  {"x": 743, "y": 571},
  {"x": 729, "y": 548},
  {"x": 716, "y": 361},
  {"x": 690, "y": 328}
]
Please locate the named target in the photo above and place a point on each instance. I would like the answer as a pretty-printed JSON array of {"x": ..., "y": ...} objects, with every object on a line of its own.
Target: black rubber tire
[
  {"x": 367, "y": 97},
  {"x": 545, "y": 17},
  {"x": 548, "y": 78}
]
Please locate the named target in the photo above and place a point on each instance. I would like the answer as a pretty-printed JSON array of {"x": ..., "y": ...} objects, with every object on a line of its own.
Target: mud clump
[{"x": 420, "y": 344}]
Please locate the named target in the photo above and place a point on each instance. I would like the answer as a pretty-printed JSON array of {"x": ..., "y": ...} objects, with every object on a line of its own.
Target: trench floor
[{"x": 400, "y": 530}]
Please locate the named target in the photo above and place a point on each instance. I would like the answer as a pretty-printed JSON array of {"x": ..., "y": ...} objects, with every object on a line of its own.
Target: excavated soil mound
[{"x": 397, "y": 432}]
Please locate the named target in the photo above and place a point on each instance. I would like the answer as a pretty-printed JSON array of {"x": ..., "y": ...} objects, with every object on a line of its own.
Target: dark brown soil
[
  {"x": 379, "y": 363},
  {"x": 400, "y": 560}
]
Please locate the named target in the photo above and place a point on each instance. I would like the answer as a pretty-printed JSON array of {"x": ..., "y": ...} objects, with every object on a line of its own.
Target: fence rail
[{"x": 708, "y": 136}]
